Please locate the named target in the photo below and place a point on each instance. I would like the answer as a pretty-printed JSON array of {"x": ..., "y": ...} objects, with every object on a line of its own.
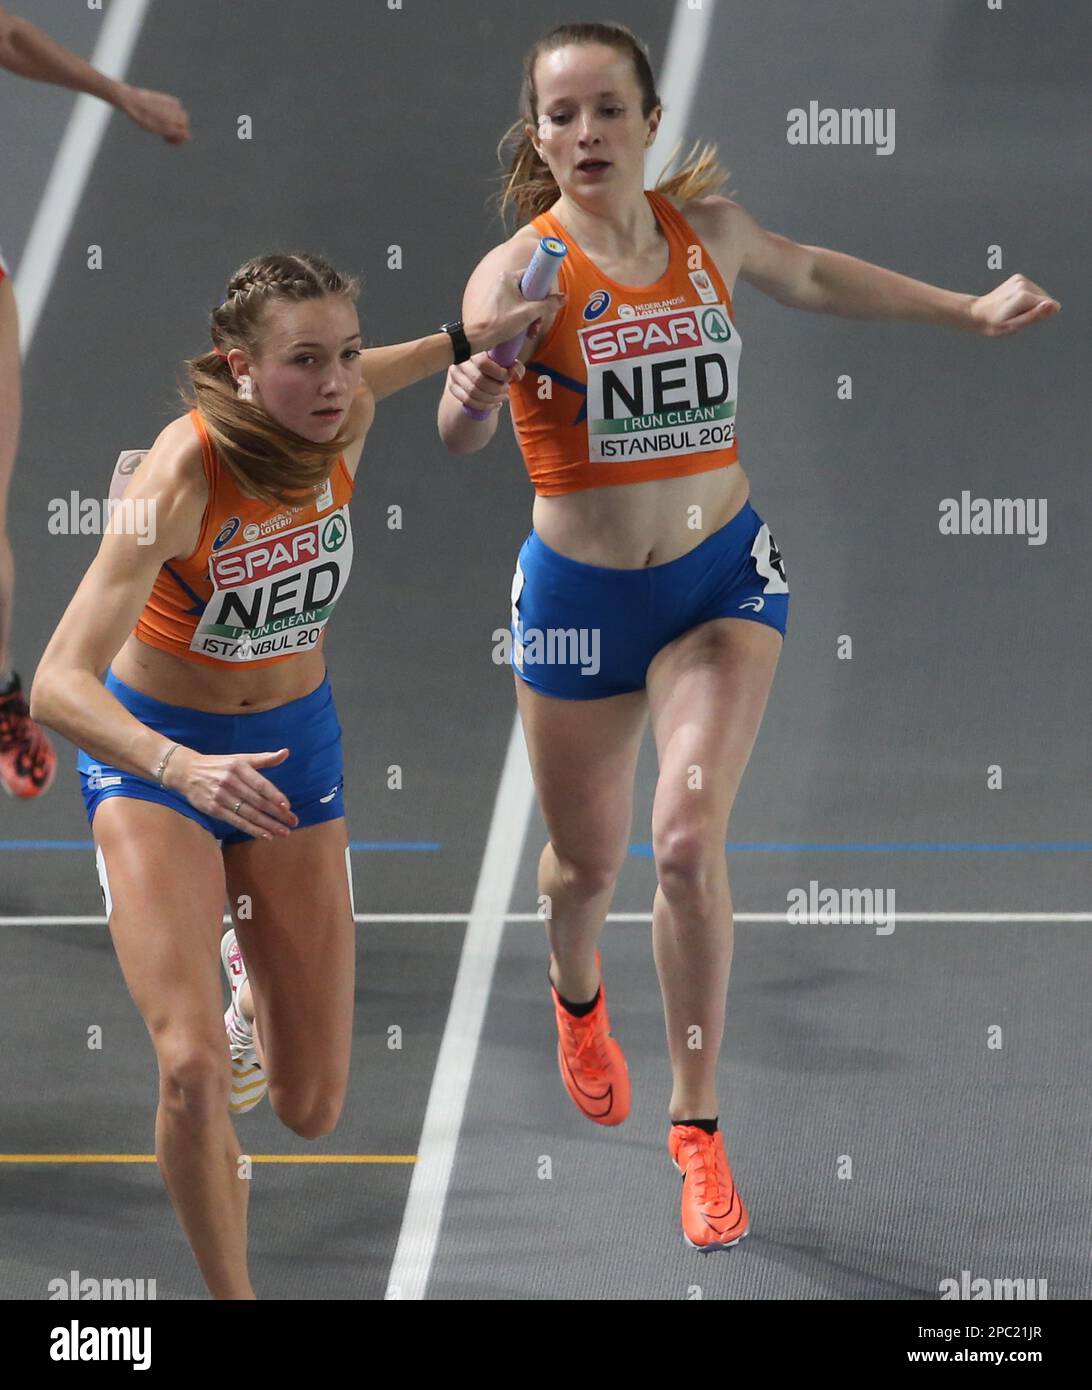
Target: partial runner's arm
[
  {"x": 480, "y": 382},
  {"x": 830, "y": 282},
  {"x": 28, "y": 51}
]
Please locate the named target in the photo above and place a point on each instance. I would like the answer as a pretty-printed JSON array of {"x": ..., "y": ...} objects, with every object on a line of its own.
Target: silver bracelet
[{"x": 163, "y": 763}]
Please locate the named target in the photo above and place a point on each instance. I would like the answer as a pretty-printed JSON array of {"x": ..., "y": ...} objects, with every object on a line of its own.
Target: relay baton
[{"x": 538, "y": 280}]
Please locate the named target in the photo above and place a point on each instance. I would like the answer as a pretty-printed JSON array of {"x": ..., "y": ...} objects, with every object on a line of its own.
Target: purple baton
[{"x": 538, "y": 280}]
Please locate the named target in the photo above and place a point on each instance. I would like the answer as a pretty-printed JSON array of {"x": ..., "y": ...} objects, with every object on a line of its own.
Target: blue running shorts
[
  {"x": 312, "y": 777},
  {"x": 584, "y": 632}
]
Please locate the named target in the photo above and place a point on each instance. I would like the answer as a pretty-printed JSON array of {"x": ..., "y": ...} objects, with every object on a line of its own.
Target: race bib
[
  {"x": 273, "y": 596},
  {"x": 769, "y": 563},
  {"x": 517, "y": 620},
  {"x": 662, "y": 385}
]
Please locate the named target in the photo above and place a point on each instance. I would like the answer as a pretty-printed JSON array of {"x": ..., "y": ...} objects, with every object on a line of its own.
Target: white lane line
[
  {"x": 459, "y": 1047},
  {"x": 433, "y": 918},
  {"x": 420, "y": 1231},
  {"x": 682, "y": 67},
  {"x": 72, "y": 168}
]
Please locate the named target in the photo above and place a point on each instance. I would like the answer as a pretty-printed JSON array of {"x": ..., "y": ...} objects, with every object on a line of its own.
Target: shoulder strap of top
[
  {"x": 671, "y": 217},
  {"x": 683, "y": 233}
]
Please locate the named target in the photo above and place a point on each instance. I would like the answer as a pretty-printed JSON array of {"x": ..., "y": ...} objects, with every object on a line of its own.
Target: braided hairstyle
[
  {"x": 529, "y": 188},
  {"x": 268, "y": 462}
]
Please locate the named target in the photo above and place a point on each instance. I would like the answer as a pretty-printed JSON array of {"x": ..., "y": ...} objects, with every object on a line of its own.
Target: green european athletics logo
[
  {"x": 333, "y": 534},
  {"x": 715, "y": 326}
]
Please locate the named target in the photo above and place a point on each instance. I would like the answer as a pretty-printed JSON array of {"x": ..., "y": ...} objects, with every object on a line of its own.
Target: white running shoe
[{"x": 248, "y": 1081}]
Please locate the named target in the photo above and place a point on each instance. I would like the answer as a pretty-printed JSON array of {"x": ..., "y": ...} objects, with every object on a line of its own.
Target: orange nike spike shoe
[
  {"x": 592, "y": 1064},
  {"x": 713, "y": 1214}
]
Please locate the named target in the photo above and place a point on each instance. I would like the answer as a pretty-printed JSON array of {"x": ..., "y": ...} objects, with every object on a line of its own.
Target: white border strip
[
  {"x": 686, "y": 45},
  {"x": 459, "y": 1047},
  {"x": 71, "y": 168}
]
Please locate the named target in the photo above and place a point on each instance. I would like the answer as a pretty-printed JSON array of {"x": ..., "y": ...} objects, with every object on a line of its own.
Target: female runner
[
  {"x": 27, "y": 759},
  {"x": 646, "y": 548},
  {"x": 210, "y": 761}
]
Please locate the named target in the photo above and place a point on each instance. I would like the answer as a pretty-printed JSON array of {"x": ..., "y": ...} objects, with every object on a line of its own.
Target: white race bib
[
  {"x": 273, "y": 596},
  {"x": 663, "y": 385}
]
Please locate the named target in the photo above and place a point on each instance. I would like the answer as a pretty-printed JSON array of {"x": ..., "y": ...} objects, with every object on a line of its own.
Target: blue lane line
[
  {"x": 644, "y": 851},
  {"x": 364, "y": 845}
]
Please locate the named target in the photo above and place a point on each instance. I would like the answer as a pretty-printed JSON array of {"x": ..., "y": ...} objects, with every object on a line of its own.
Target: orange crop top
[
  {"x": 642, "y": 382},
  {"x": 263, "y": 580}
]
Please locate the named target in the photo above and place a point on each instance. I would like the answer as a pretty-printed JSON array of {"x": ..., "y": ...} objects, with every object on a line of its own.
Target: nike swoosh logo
[{"x": 607, "y": 1095}]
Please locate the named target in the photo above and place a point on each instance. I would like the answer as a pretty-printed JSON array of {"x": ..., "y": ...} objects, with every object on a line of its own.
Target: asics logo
[
  {"x": 758, "y": 604},
  {"x": 329, "y": 796}
]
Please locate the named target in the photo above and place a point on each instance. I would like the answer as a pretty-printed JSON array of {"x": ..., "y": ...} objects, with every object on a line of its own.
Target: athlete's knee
[
  {"x": 312, "y": 1114},
  {"x": 590, "y": 870},
  {"x": 194, "y": 1076},
  {"x": 689, "y": 864}
]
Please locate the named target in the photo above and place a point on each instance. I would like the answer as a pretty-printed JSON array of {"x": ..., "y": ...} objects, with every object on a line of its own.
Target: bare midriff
[
  {"x": 634, "y": 525},
  {"x": 234, "y": 690}
]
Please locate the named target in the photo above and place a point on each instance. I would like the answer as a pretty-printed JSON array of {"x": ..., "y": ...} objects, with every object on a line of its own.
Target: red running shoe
[{"x": 27, "y": 759}]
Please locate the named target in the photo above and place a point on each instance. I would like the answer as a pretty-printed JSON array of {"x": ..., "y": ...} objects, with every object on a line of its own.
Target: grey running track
[{"x": 943, "y": 1064}]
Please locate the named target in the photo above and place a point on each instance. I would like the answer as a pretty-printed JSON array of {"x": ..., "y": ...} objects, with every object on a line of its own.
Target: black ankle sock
[
  {"x": 710, "y": 1126},
  {"x": 577, "y": 1010}
]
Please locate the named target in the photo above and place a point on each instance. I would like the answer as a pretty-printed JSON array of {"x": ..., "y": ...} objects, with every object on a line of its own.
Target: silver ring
[{"x": 237, "y": 805}]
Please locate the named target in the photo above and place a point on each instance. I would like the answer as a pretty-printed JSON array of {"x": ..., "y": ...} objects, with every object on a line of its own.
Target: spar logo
[
  {"x": 252, "y": 563},
  {"x": 641, "y": 337},
  {"x": 597, "y": 305}
]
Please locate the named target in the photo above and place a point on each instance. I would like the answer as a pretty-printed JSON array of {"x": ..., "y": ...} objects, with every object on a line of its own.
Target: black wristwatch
[{"x": 459, "y": 342}]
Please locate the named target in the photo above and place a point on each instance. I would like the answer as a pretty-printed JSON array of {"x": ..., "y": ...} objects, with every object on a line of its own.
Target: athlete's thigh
[
  {"x": 293, "y": 915},
  {"x": 10, "y": 389},
  {"x": 165, "y": 880},
  {"x": 583, "y": 756},
  {"x": 707, "y": 693}
]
